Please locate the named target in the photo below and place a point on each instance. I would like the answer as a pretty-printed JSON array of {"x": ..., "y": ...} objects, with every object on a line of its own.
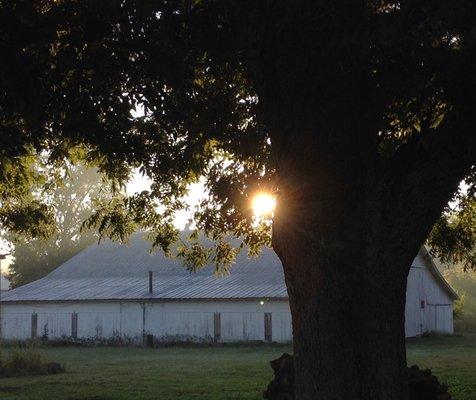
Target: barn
[{"x": 114, "y": 291}]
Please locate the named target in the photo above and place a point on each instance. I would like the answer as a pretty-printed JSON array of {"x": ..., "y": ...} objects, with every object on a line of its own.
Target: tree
[
  {"x": 356, "y": 115},
  {"x": 454, "y": 235},
  {"x": 72, "y": 202}
]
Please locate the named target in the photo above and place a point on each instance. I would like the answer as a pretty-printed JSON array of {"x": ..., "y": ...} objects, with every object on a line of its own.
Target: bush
[
  {"x": 458, "y": 306},
  {"x": 27, "y": 362}
]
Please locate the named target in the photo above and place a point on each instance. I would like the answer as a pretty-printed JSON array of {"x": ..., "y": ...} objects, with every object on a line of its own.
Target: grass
[
  {"x": 452, "y": 359},
  {"x": 108, "y": 373}
]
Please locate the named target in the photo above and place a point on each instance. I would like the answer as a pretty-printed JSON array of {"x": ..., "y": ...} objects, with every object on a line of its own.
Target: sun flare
[{"x": 263, "y": 205}]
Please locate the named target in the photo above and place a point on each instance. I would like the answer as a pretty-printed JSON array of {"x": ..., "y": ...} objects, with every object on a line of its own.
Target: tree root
[{"x": 423, "y": 385}]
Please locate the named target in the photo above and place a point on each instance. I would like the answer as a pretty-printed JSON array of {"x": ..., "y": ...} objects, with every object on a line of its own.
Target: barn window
[
  {"x": 422, "y": 303},
  {"x": 268, "y": 330},
  {"x": 217, "y": 327},
  {"x": 74, "y": 325},
  {"x": 34, "y": 325}
]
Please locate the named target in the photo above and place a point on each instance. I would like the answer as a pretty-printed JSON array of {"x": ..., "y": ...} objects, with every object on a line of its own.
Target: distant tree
[
  {"x": 453, "y": 238},
  {"x": 464, "y": 282},
  {"x": 71, "y": 201},
  {"x": 453, "y": 241},
  {"x": 357, "y": 115}
]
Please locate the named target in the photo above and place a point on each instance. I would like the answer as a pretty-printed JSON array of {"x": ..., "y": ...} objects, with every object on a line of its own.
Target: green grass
[
  {"x": 108, "y": 373},
  {"x": 452, "y": 359}
]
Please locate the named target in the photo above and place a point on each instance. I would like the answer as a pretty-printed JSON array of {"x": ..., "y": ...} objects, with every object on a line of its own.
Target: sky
[{"x": 197, "y": 192}]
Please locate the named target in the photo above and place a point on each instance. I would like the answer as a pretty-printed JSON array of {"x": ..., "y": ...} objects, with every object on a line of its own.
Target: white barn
[{"x": 124, "y": 291}]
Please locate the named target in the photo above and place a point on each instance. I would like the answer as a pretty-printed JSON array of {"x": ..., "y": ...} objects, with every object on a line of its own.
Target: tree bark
[
  {"x": 345, "y": 268},
  {"x": 348, "y": 324},
  {"x": 347, "y": 229}
]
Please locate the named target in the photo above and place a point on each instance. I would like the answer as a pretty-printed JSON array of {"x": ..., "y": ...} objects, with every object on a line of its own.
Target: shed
[{"x": 114, "y": 291}]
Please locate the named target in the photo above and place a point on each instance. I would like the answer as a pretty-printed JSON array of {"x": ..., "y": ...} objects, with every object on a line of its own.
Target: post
[
  {"x": 34, "y": 325},
  {"x": 216, "y": 327},
  {"x": 150, "y": 282},
  {"x": 268, "y": 330},
  {"x": 74, "y": 325}
]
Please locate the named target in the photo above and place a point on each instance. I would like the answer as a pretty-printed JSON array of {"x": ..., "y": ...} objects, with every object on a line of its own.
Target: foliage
[
  {"x": 247, "y": 95},
  {"x": 198, "y": 96},
  {"x": 71, "y": 200},
  {"x": 453, "y": 237},
  {"x": 20, "y": 211},
  {"x": 26, "y": 362},
  {"x": 458, "y": 306},
  {"x": 464, "y": 282}
]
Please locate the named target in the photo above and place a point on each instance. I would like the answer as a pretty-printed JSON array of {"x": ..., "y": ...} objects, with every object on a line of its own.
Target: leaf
[
  {"x": 437, "y": 121},
  {"x": 417, "y": 126}
]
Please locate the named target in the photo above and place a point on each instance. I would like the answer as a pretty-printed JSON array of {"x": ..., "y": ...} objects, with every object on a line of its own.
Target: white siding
[
  {"x": 424, "y": 291},
  {"x": 16, "y": 325},
  {"x": 166, "y": 321},
  {"x": 53, "y": 324},
  {"x": 131, "y": 317},
  {"x": 282, "y": 326}
]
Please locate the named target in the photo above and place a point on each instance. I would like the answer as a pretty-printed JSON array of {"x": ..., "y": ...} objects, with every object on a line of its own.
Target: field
[{"x": 107, "y": 373}]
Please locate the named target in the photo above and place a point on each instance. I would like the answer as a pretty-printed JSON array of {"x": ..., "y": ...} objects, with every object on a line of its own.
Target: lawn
[{"x": 108, "y": 373}]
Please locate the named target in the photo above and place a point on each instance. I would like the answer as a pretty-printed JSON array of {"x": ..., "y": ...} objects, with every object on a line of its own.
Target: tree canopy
[
  {"x": 71, "y": 200},
  {"x": 184, "y": 89}
]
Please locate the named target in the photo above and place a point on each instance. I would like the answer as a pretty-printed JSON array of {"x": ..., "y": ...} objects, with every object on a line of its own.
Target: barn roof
[
  {"x": 112, "y": 271},
  {"x": 435, "y": 271}
]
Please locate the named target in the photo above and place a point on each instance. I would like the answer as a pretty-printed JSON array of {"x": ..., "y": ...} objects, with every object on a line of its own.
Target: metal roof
[
  {"x": 434, "y": 270},
  {"x": 113, "y": 271}
]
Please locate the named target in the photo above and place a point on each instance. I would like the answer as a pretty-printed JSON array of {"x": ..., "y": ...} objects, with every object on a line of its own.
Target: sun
[{"x": 263, "y": 205}]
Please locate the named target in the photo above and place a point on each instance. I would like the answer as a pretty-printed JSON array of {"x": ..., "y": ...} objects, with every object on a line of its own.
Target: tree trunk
[
  {"x": 346, "y": 257},
  {"x": 350, "y": 218},
  {"x": 348, "y": 319},
  {"x": 346, "y": 230}
]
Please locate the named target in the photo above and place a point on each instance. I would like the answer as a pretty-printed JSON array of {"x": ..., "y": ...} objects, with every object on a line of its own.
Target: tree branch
[{"x": 424, "y": 175}]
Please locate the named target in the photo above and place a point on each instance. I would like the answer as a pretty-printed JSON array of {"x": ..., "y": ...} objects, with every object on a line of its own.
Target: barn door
[{"x": 443, "y": 318}]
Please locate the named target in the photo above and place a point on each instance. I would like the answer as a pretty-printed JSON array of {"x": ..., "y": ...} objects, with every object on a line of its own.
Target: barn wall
[
  {"x": 428, "y": 306},
  {"x": 166, "y": 321},
  {"x": 54, "y": 320}
]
